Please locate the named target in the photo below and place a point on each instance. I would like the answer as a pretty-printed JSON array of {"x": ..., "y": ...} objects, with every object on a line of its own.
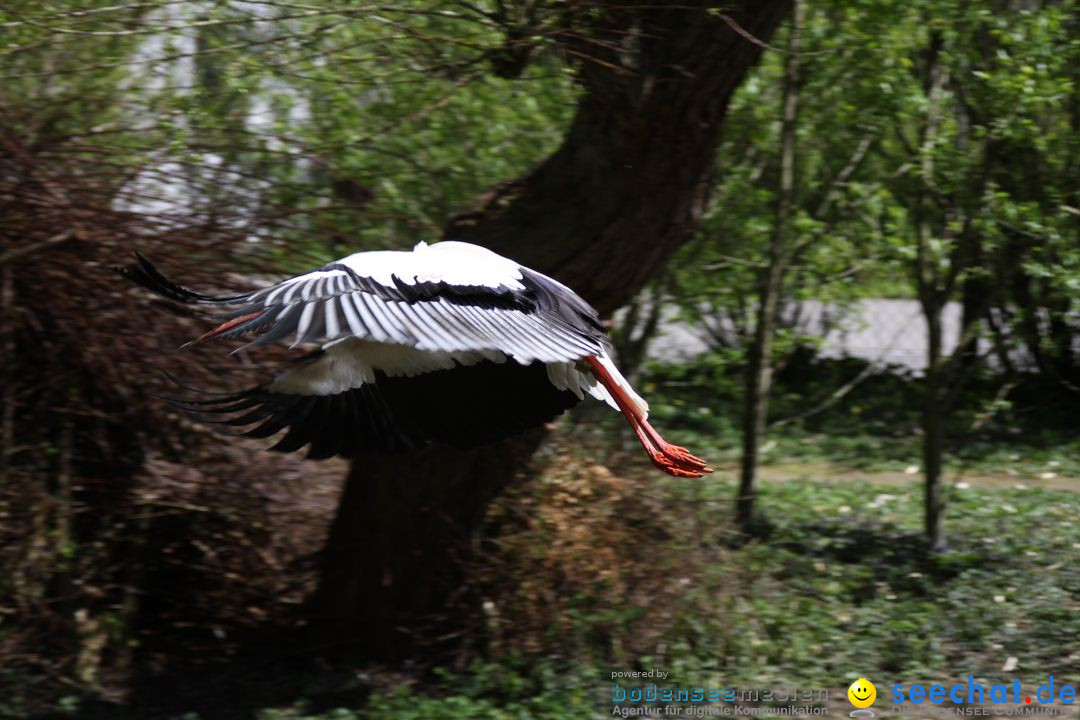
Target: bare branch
[{"x": 18, "y": 253}]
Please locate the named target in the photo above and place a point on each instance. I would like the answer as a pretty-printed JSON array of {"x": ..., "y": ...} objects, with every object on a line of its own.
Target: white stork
[{"x": 447, "y": 343}]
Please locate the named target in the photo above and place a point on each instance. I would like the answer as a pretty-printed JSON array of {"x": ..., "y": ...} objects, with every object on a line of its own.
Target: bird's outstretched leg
[{"x": 672, "y": 459}]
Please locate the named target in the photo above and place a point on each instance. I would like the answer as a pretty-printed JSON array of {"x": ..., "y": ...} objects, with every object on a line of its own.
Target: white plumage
[
  {"x": 445, "y": 343},
  {"x": 455, "y": 263}
]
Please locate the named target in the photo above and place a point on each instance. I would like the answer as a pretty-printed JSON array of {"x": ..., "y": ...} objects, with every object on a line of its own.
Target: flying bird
[{"x": 448, "y": 342}]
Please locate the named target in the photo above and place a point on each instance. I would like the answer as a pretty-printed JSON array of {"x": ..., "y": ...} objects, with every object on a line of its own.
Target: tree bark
[
  {"x": 626, "y": 188},
  {"x": 933, "y": 428},
  {"x": 759, "y": 363},
  {"x": 934, "y": 291},
  {"x": 602, "y": 214}
]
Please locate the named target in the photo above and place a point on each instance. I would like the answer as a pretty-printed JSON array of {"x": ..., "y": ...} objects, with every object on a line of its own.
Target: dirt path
[{"x": 795, "y": 471}]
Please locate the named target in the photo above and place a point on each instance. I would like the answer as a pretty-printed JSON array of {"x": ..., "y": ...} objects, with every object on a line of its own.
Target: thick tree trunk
[
  {"x": 602, "y": 214},
  {"x": 759, "y": 365},
  {"x": 392, "y": 563},
  {"x": 632, "y": 177}
]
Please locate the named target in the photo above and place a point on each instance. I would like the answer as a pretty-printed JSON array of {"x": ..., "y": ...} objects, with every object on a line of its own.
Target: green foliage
[
  {"x": 834, "y": 233},
  {"x": 935, "y": 160},
  {"x": 326, "y": 128},
  {"x": 299, "y": 125},
  {"x": 512, "y": 689},
  {"x": 875, "y": 426},
  {"x": 504, "y": 691},
  {"x": 843, "y": 587},
  {"x": 951, "y": 122},
  {"x": 875, "y": 591}
]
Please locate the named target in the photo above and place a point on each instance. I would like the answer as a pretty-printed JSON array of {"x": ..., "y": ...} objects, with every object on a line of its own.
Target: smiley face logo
[{"x": 862, "y": 693}]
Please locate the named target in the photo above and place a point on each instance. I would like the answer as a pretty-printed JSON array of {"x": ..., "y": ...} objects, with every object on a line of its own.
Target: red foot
[
  {"x": 672, "y": 459},
  {"x": 667, "y": 466},
  {"x": 677, "y": 453}
]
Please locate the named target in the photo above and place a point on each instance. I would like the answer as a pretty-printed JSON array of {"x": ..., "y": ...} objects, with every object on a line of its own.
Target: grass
[
  {"x": 612, "y": 573},
  {"x": 596, "y": 572},
  {"x": 843, "y": 587},
  {"x": 845, "y": 581}
]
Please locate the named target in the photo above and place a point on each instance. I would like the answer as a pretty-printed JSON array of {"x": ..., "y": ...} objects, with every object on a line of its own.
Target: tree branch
[{"x": 32, "y": 249}]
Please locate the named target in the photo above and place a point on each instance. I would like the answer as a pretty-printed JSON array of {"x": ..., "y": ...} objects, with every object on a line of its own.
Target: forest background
[{"x": 751, "y": 190}]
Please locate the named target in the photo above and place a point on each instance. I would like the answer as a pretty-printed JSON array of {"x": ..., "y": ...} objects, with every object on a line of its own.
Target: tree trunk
[
  {"x": 392, "y": 563},
  {"x": 759, "y": 362},
  {"x": 933, "y": 427},
  {"x": 602, "y": 214},
  {"x": 934, "y": 291}
]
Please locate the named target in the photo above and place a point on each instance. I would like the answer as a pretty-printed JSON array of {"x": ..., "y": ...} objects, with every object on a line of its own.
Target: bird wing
[
  {"x": 340, "y": 403},
  {"x": 333, "y": 304},
  {"x": 413, "y": 302}
]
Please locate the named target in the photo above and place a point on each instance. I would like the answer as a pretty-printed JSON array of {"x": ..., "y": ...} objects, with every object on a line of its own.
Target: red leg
[{"x": 672, "y": 459}]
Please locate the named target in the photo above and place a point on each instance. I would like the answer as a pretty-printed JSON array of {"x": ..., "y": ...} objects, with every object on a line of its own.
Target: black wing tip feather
[
  {"x": 330, "y": 425},
  {"x": 393, "y": 415},
  {"x": 570, "y": 307},
  {"x": 146, "y": 275}
]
